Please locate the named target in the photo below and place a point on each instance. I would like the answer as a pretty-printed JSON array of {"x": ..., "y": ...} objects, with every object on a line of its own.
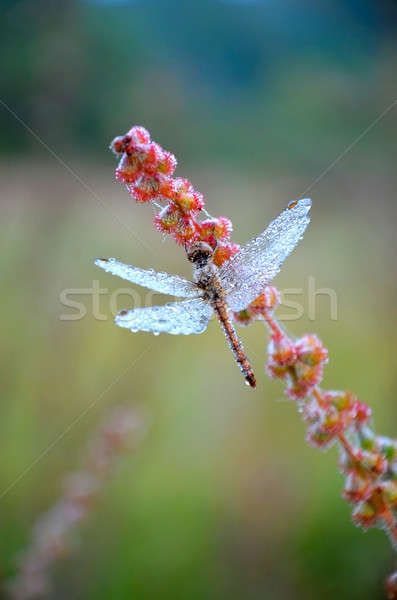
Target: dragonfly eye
[{"x": 199, "y": 253}]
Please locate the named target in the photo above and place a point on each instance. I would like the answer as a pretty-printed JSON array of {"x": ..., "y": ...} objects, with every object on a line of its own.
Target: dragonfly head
[{"x": 199, "y": 253}]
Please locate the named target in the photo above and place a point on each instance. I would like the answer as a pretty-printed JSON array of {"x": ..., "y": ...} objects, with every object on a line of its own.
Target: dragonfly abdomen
[{"x": 234, "y": 342}]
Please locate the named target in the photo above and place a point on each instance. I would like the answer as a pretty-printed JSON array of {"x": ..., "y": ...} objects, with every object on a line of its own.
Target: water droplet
[
  {"x": 247, "y": 383},
  {"x": 156, "y": 333}
]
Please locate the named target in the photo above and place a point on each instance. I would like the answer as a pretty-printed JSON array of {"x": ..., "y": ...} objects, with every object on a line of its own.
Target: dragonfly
[{"x": 220, "y": 290}]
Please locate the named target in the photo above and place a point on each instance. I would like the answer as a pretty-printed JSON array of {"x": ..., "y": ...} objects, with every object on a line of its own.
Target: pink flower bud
[
  {"x": 117, "y": 145},
  {"x": 139, "y": 135}
]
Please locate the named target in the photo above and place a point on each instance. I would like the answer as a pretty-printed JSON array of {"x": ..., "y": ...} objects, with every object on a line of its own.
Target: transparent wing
[
  {"x": 159, "y": 282},
  {"x": 178, "y": 318},
  {"x": 247, "y": 273}
]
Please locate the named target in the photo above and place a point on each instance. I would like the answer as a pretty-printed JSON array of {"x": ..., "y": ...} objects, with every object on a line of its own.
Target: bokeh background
[{"x": 223, "y": 499}]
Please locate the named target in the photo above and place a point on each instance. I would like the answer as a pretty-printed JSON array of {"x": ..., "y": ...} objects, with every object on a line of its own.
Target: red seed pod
[
  {"x": 129, "y": 169},
  {"x": 224, "y": 252},
  {"x": 186, "y": 231},
  {"x": 167, "y": 219},
  {"x": 117, "y": 145},
  {"x": 358, "y": 488},
  {"x": 145, "y": 188},
  {"x": 311, "y": 351},
  {"x": 153, "y": 156},
  {"x": 244, "y": 317},
  {"x": 168, "y": 163},
  {"x": 186, "y": 198},
  {"x": 363, "y": 412},
  {"x": 365, "y": 515},
  {"x": 268, "y": 300},
  {"x": 373, "y": 462},
  {"x": 220, "y": 227}
]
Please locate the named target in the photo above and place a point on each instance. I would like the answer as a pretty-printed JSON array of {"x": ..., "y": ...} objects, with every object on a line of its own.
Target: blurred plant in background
[{"x": 54, "y": 533}]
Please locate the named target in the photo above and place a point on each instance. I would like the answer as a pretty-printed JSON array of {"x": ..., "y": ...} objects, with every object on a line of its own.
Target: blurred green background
[{"x": 223, "y": 499}]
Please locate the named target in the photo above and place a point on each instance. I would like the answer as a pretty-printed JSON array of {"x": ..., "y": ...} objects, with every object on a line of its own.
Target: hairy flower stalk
[
  {"x": 368, "y": 461},
  {"x": 52, "y": 534}
]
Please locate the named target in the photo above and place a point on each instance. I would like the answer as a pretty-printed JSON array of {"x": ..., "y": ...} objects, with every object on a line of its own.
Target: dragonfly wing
[
  {"x": 248, "y": 272},
  {"x": 178, "y": 318},
  {"x": 159, "y": 282}
]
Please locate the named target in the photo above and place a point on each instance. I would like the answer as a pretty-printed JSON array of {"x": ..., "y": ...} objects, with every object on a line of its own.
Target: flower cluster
[
  {"x": 147, "y": 170},
  {"x": 368, "y": 461},
  {"x": 51, "y": 538},
  {"x": 300, "y": 363}
]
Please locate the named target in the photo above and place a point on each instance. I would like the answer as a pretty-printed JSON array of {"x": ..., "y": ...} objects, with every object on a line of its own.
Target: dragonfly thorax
[{"x": 200, "y": 254}]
